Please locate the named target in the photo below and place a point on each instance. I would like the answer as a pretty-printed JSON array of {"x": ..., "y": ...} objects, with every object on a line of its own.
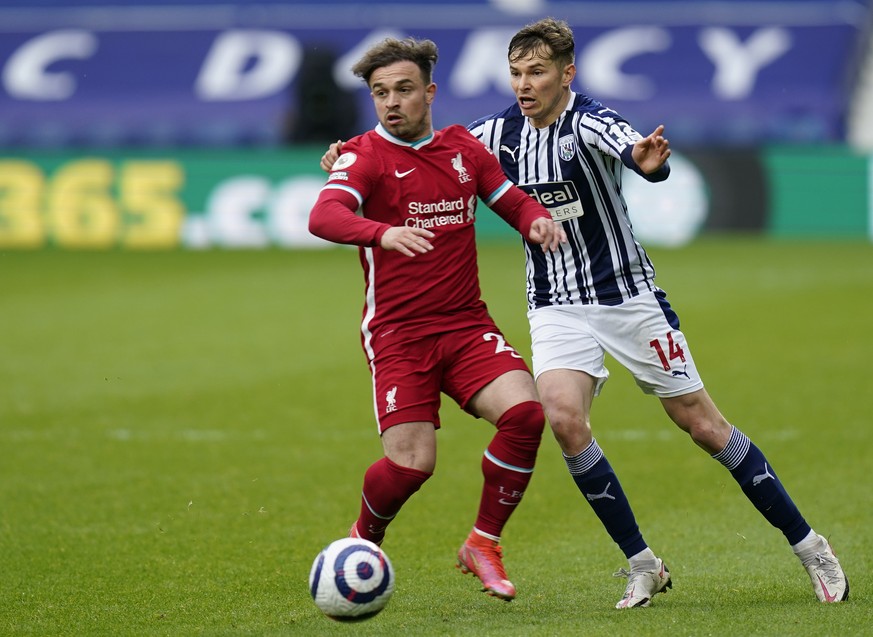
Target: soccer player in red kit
[{"x": 425, "y": 328}]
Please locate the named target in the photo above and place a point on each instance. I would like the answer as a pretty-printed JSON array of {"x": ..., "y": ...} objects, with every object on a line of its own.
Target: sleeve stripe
[
  {"x": 497, "y": 194},
  {"x": 354, "y": 193}
]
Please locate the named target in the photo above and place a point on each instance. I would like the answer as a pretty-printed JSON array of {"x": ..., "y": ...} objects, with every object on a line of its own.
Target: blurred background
[{"x": 196, "y": 123}]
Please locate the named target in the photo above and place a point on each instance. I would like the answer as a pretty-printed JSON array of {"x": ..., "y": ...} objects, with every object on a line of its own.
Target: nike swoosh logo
[
  {"x": 827, "y": 593},
  {"x": 507, "y": 502},
  {"x": 401, "y": 175}
]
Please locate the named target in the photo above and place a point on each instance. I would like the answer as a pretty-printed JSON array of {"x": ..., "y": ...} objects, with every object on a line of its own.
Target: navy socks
[
  {"x": 597, "y": 481},
  {"x": 762, "y": 487}
]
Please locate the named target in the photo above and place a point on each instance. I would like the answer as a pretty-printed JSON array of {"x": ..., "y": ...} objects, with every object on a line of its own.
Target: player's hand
[
  {"x": 547, "y": 233},
  {"x": 652, "y": 152},
  {"x": 331, "y": 155},
  {"x": 408, "y": 241}
]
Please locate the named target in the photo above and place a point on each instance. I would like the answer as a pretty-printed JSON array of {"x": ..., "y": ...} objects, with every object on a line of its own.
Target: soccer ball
[{"x": 351, "y": 580}]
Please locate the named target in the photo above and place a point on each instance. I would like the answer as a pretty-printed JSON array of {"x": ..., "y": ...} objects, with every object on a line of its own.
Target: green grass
[{"x": 181, "y": 433}]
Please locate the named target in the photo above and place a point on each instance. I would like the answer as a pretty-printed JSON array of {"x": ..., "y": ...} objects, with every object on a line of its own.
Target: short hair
[
  {"x": 390, "y": 50},
  {"x": 553, "y": 33}
]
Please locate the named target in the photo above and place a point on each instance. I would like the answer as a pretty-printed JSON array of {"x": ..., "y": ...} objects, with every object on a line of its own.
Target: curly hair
[{"x": 390, "y": 50}]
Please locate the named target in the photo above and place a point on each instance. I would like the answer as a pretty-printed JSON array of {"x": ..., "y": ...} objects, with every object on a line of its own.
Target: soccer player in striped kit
[
  {"x": 425, "y": 329},
  {"x": 597, "y": 295}
]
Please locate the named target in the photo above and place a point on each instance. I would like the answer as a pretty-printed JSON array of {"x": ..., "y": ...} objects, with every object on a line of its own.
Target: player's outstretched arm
[
  {"x": 331, "y": 155},
  {"x": 408, "y": 241},
  {"x": 547, "y": 233},
  {"x": 651, "y": 153}
]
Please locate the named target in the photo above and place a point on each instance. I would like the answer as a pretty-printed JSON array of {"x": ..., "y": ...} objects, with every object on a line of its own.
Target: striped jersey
[{"x": 574, "y": 167}]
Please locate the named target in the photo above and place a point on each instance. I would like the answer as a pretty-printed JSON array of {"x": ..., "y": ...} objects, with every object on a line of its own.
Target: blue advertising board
[{"x": 129, "y": 73}]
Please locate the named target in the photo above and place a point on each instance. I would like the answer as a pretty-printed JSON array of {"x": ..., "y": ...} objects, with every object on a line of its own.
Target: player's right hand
[
  {"x": 331, "y": 155},
  {"x": 547, "y": 233},
  {"x": 408, "y": 241}
]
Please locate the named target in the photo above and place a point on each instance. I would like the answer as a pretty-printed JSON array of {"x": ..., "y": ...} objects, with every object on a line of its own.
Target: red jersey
[{"x": 433, "y": 183}]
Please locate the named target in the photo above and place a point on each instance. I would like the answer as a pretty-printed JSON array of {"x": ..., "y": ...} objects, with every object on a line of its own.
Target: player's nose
[
  {"x": 393, "y": 101},
  {"x": 522, "y": 83}
]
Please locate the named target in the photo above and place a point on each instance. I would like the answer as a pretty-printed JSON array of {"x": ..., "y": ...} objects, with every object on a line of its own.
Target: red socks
[
  {"x": 387, "y": 486},
  {"x": 508, "y": 465}
]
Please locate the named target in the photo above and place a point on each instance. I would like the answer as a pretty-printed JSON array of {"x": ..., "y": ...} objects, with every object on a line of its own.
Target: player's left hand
[
  {"x": 547, "y": 233},
  {"x": 652, "y": 152}
]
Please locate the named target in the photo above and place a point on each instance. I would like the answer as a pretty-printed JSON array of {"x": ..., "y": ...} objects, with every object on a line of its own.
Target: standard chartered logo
[
  {"x": 419, "y": 208},
  {"x": 464, "y": 212}
]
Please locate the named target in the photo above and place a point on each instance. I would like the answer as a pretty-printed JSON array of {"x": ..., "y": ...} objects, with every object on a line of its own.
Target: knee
[
  {"x": 570, "y": 428},
  {"x": 708, "y": 434},
  {"x": 523, "y": 422},
  {"x": 708, "y": 431},
  {"x": 697, "y": 415}
]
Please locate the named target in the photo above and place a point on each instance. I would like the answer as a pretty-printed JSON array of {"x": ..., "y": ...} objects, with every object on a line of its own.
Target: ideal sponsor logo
[
  {"x": 560, "y": 198},
  {"x": 552, "y": 193}
]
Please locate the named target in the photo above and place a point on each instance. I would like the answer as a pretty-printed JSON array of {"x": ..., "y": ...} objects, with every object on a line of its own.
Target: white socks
[
  {"x": 645, "y": 560},
  {"x": 808, "y": 547}
]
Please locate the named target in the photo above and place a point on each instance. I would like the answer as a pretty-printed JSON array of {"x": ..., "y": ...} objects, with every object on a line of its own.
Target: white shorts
[{"x": 642, "y": 334}]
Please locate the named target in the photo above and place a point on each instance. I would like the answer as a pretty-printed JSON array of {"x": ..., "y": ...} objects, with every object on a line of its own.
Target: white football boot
[
  {"x": 828, "y": 579},
  {"x": 642, "y": 586}
]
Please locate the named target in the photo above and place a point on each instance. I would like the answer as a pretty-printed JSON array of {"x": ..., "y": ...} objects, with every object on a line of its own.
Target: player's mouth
[
  {"x": 394, "y": 119},
  {"x": 526, "y": 102}
]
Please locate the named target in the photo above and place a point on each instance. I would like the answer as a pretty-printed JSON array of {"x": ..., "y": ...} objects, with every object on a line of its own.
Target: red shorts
[{"x": 409, "y": 374}]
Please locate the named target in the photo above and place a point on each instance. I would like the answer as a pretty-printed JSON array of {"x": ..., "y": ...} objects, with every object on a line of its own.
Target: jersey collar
[{"x": 424, "y": 141}]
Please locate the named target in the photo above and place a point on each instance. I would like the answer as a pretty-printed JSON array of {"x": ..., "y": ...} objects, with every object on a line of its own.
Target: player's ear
[
  {"x": 430, "y": 93},
  {"x": 568, "y": 74}
]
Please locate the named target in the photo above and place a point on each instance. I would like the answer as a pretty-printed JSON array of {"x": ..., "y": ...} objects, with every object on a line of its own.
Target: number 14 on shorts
[{"x": 673, "y": 350}]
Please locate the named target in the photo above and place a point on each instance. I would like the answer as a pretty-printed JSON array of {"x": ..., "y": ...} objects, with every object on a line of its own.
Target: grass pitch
[{"x": 181, "y": 433}]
